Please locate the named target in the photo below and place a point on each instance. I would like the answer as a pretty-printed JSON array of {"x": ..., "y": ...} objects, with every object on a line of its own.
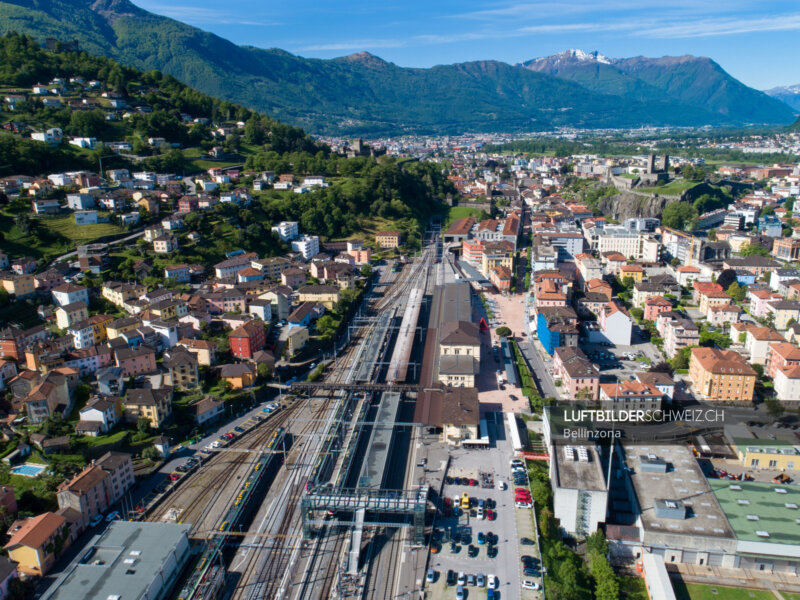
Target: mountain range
[
  {"x": 363, "y": 94},
  {"x": 789, "y": 94}
]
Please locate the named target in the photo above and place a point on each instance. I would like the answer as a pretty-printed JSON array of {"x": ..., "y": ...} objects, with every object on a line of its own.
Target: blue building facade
[{"x": 548, "y": 338}]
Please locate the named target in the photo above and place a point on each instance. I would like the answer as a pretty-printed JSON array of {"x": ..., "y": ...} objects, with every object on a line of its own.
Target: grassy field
[
  {"x": 460, "y": 212},
  {"x": 671, "y": 189},
  {"x": 632, "y": 588},
  {"x": 696, "y": 591},
  {"x": 65, "y": 226}
]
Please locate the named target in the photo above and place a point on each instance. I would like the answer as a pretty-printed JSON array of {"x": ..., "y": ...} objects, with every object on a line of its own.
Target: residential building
[
  {"x": 780, "y": 354},
  {"x": 18, "y": 286},
  {"x": 182, "y": 368},
  {"x": 307, "y": 246},
  {"x": 327, "y": 295},
  {"x": 501, "y": 278},
  {"x": 721, "y": 375},
  {"x": 616, "y": 325},
  {"x": 205, "y": 351},
  {"x": 35, "y": 543},
  {"x": 165, "y": 243},
  {"x": 631, "y": 395},
  {"x": 207, "y": 410},
  {"x": 71, "y": 313},
  {"x": 154, "y": 405},
  {"x": 757, "y": 341},
  {"x": 556, "y": 326},
  {"x": 247, "y": 339},
  {"x": 654, "y": 306},
  {"x": 662, "y": 381},
  {"x": 713, "y": 298},
  {"x": 678, "y": 332},
  {"x": 239, "y": 375},
  {"x": 724, "y": 313},
  {"x": 388, "y": 239},
  {"x": 296, "y": 339},
  {"x": 638, "y": 246},
  {"x": 634, "y": 272},
  {"x": 579, "y": 376},
  {"x": 103, "y": 413},
  {"x": 136, "y": 360},
  {"x": 783, "y": 312},
  {"x": 69, "y": 293},
  {"x": 287, "y": 230}
]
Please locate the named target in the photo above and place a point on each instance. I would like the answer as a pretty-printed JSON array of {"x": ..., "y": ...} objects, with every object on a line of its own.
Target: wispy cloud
[
  {"x": 200, "y": 15},
  {"x": 717, "y": 27}
]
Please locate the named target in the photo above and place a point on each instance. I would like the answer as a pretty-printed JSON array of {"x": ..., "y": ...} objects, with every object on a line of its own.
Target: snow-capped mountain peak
[{"x": 578, "y": 54}]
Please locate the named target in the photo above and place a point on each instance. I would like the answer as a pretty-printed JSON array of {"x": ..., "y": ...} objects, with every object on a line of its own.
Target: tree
[
  {"x": 775, "y": 408},
  {"x": 503, "y": 331},
  {"x": 678, "y": 215},
  {"x": 736, "y": 291},
  {"x": 151, "y": 453},
  {"x": 143, "y": 425},
  {"x": 366, "y": 271},
  {"x": 726, "y": 278},
  {"x": 681, "y": 359},
  {"x": 754, "y": 250},
  {"x": 263, "y": 370}
]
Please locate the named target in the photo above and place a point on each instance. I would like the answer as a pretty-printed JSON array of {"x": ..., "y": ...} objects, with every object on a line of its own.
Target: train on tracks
[{"x": 206, "y": 580}]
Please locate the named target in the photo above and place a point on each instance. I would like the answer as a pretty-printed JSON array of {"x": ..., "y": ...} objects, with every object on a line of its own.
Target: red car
[
  {"x": 522, "y": 496},
  {"x": 491, "y": 515},
  {"x": 522, "y": 491},
  {"x": 230, "y": 435},
  {"x": 473, "y": 482},
  {"x": 174, "y": 476},
  {"x": 448, "y": 501}
]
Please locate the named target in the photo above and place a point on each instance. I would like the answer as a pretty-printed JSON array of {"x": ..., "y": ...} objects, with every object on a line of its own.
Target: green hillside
[{"x": 364, "y": 94}]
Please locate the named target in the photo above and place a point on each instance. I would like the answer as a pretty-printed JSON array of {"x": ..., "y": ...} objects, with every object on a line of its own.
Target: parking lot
[{"x": 455, "y": 534}]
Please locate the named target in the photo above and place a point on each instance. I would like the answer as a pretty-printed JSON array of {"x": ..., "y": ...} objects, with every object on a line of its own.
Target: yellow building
[
  {"x": 120, "y": 326},
  {"x": 721, "y": 375},
  {"x": 239, "y": 375},
  {"x": 36, "y": 542},
  {"x": 634, "y": 271},
  {"x": 154, "y": 405},
  {"x": 100, "y": 325},
  {"x": 297, "y": 339},
  {"x": 756, "y": 453},
  {"x": 71, "y": 313},
  {"x": 117, "y": 292},
  {"x": 388, "y": 239},
  {"x": 21, "y": 286},
  {"x": 497, "y": 254},
  {"x": 327, "y": 295}
]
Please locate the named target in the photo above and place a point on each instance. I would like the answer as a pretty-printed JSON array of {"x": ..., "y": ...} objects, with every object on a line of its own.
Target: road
[{"x": 127, "y": 238}]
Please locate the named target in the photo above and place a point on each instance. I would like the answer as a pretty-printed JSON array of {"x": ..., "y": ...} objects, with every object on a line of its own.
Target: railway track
[
  {"x": 268, "y": 571},
  {"x": 204, "y": 494}
]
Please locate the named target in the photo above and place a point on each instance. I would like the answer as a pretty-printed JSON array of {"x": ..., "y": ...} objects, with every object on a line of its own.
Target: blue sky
[{"x": 754, "y": 40}]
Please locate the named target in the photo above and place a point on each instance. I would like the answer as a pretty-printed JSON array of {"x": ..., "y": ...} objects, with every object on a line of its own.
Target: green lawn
[
  {"x": 671, "y": 189},
  {"x": 696, "y": 591},
  {"x": 65, "y": 225},
  {"x": 460, "y": 212}
]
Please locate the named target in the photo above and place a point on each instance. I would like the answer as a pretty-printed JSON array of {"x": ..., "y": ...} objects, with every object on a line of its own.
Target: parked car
[
  {"x": 529, "y": 585},
  {"x": 113, "y": 516},
  {"x": 431, "y": 576},
  {"x": 96, "y": 521}
]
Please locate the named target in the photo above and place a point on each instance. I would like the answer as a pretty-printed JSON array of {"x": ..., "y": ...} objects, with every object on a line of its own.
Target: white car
[
  {"x": 501, "y": 485},
  {"x": 523, "y": 504},
  {"x": 530, "y": 585},
  {"x": 491, "y": 582}
]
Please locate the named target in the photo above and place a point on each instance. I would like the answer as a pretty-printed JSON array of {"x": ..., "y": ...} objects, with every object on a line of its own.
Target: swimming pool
[{"x": 28, "y": 469}]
